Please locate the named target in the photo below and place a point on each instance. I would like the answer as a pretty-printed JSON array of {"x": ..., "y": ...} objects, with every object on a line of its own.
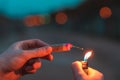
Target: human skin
[
  {"x": 23, "y": 58},
  {"x": 79, "y": 73}
]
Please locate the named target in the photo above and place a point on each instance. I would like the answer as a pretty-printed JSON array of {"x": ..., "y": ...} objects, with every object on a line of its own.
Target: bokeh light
[
  {"x": 36, "y": 20},
  {"x": 105, "y": 12},
  {"x": 61, "y": 18}
]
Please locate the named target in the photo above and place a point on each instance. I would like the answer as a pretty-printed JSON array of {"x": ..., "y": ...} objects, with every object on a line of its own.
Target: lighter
[
  {"x": 63, "y": 47},
  {"x": 85, "y": 62}
]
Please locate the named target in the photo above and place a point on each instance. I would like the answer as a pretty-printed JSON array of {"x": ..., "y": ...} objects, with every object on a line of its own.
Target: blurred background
[{"x": 91, "y": 24}]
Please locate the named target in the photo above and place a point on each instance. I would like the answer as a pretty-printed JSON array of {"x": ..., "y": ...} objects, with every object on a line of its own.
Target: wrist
[
  {"x": 6, "y": 73},
  {"x": 10, "y": 76}
]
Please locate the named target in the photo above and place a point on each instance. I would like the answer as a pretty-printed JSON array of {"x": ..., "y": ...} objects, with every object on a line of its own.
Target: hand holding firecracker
[{"x": 23, "y": 58}]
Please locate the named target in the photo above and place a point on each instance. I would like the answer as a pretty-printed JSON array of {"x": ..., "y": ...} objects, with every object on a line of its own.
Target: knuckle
[
  {"x": 101, "y": 75},
  {"x": 75, "y": 62}
]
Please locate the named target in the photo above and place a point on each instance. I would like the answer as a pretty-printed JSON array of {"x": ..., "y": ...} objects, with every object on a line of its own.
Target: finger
[
  {"x": 78, "y": 71},
  {"x": 37, "y": 65},
  {"x": 48, "y": 57},
  {"x": 31, "y": 63},
  {"x": 32, "y": 71},
  {"x": 92, "y": 72},
  {"x": 31, "y": 44},
  {"x": 31, "y": 66},
  {"x": 39, "y": 52},
  {"x": 29, "y": 70},
  {"x": 33, "y": 60}
]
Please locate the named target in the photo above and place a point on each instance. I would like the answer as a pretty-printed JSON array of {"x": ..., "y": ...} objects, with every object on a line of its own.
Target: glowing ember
[{"x": 87, "y": 55}]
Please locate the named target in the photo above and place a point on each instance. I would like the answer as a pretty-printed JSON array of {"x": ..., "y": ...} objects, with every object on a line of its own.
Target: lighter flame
[{"x": 87, "y": 55}]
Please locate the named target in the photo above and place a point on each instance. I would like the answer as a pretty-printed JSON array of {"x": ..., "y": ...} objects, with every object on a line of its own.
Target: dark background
[{"x": 84, "y": 27}]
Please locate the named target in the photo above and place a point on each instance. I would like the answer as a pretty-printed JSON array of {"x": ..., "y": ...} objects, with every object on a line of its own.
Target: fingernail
[{"x": 49, "y": 49}]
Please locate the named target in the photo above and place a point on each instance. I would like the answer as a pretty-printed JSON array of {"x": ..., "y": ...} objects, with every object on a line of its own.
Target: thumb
[
  {"x": 93, "y": 72},
  {"x": 39, "y": 52},
  {"x": 77, "y": 70}
]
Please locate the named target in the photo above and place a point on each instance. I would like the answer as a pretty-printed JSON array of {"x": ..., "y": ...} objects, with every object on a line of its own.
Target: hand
[
  {"x": 79, "y": 73},
  {"x": 23, "y": 58}
]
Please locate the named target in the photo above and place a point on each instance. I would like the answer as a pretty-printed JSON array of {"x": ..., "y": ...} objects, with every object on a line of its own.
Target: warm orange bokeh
[
  {"x": 61, "y": 18},
  {"x": 36, "y": 20},
  {"x": 105, "y": 12}
]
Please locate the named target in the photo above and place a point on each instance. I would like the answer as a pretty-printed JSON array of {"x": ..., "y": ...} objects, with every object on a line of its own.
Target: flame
[{"x": 87, "y": 55}]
